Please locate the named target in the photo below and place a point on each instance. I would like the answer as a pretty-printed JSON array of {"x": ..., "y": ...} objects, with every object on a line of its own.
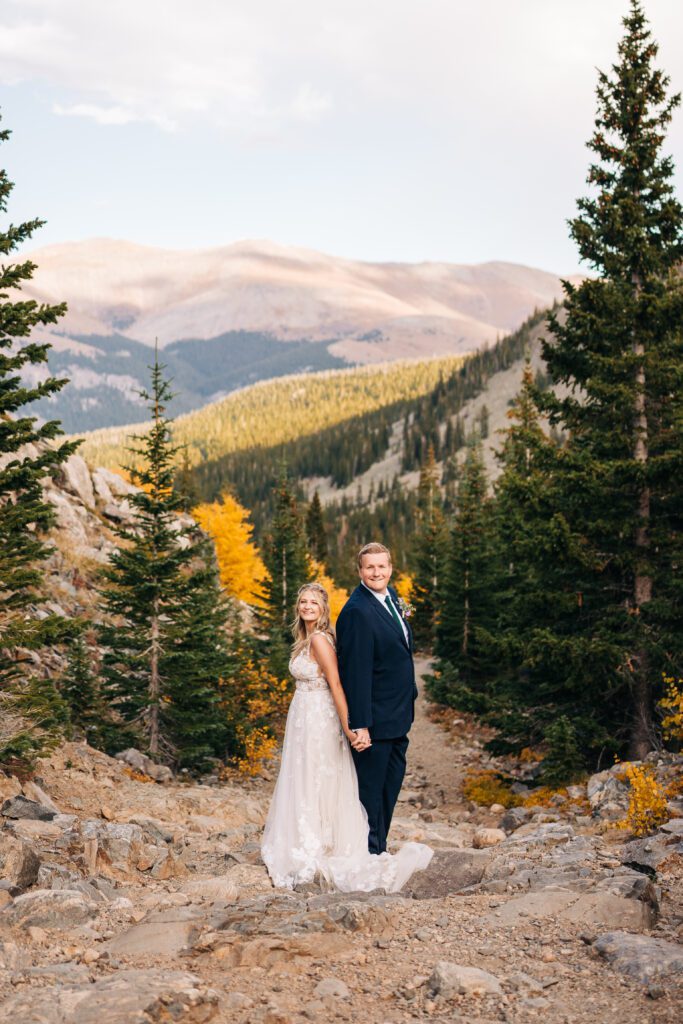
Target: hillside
[
  {"x": 231, "y": 316},
  {"x": 366, "y": 473},
  {"x": 278, "y": 411}
]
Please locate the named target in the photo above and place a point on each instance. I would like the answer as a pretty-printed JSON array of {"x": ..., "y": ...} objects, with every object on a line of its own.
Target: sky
[{"x": 389, "y": 130}]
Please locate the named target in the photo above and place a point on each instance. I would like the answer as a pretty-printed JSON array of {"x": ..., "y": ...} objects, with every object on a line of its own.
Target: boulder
[
  {"x": 218, "y": 887},
  {"x": 160, "y": 933},
  {"x": 295, "y": 950},
  {"x": 652, "y": 852},
  {"x": 13, "y": 957},
  {"x": 448, "y": 871},
  {"x": 154, "y": 996},
  {"x": 119, "y": 487},
  {"x": 642, "y": 957},
  {"x": 117, "y": 846},
  {"x": 21, "y": 807},
  {"x": 514, "y": 817},
  {"x": 141, "y": 763},
  {"x": 608, "y": 794},
  {"x": 50, "y": 908},
  {"x": 74, "y": 476},
  {"x": 331, "y": 987},
  {"x": 449, "y": 979},
  {"x": 19, "y": 865},
  {"x": 485, "y": 837},
  {"x": 33, "y": 791},
  {"x": 591, "y": 908}
]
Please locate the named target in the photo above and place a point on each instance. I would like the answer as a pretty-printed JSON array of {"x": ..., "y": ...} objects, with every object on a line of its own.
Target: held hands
[{"x": 359, "y": 739}]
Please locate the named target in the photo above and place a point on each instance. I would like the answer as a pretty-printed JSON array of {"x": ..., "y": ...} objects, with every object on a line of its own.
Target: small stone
[
  {"x": 90, "y": 956},
  {"x": 449, "y": 979},
  {"x": 548, "y": 957},
  {"x": 107, "y": 812},
  {"x": 331, "y": 987},
  {"x": 237, "y": 1001},
  {"x": 423, "y": 934},
  {"x": 496, "y": 809},
  {"x": 485, "y": 837}
]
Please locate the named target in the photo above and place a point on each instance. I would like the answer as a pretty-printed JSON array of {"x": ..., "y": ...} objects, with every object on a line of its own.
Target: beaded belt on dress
[{"x": 311, "y": 684}]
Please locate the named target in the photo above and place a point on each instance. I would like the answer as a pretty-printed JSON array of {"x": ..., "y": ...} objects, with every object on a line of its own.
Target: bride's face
[{"x": 310, "y": 607}]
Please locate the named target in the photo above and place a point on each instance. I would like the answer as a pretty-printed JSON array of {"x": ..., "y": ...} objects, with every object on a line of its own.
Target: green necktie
[{"x": 392, "y": 608}]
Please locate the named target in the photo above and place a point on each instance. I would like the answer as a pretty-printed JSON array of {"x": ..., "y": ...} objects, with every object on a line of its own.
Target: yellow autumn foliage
[
  {"x": 337, "y": 595},
  {"x": 672, "y": 706},
  {"x": 647, "y": 808},
  {"x": 242, "y": 572}
]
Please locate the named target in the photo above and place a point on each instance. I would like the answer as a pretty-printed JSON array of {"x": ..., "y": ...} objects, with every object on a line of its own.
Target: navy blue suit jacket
[{"x": 376, "y": 666}]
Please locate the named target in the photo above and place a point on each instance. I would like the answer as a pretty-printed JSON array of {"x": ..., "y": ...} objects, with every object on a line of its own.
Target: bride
[{"x": 316, "y": 824}]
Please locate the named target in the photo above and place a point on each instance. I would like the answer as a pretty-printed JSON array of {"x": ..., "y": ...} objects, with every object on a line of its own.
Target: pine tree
[
  {"x": 197, "y": 662},
  {"x": 619, "y": 353},
  {"x": 28, "y": 705},
  {"x": 287, "y": 562},
  {"x": 79, "y": 687},
  {"x": 315, "y": 530},
  {"x": 161, "y": 668},
  {"x": 429, "y": 554},
  {"x": 467, "y": 598}
]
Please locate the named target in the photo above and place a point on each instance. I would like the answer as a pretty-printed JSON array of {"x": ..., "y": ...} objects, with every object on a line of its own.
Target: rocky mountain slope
[
  {"x": 128, "y": 896},
  {"x": 227, "y": 317},
  {"x": 127, "y": 900}
]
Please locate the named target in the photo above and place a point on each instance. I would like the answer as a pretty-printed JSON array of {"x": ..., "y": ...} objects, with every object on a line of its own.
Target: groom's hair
[{"x": 373, "y": 549}]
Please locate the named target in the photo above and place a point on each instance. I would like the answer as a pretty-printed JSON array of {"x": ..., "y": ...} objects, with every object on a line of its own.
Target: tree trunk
[
  {"x": 154, "y": 682},
  {"x": 642, "y": 733}
]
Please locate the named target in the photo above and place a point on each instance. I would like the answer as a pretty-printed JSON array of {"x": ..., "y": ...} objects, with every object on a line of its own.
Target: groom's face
[{"x": 375, "y": 572}]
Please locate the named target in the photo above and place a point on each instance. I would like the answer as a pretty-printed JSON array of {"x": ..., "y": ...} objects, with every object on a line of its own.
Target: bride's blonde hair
[{"x": 322, "y": 624}]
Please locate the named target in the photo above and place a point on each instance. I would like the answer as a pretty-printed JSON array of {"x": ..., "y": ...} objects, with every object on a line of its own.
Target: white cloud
[
  {"x": 110, "y": 115},
  {"x": 254, "y": 65}
]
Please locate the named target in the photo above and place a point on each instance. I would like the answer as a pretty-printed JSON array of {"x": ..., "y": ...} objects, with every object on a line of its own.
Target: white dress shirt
[{"x": 381, "y": 597}]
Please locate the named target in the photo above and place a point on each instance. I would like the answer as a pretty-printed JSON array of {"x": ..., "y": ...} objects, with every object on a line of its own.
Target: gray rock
[
  {"x": 118, "y": 845},
  {"x": 449, "y": 871},
  {"x": 607, "y": 794},
  {"x": 19, "y": 865},
  {"x": 20, "y": 807},
  {"x": 74, "y": 476},
  {"x": 592, "y": 908},
  {"x": 49, "y": 908},
  {"x": 33, "y": 791},
  {"x": 331, "y": 987},
  {"x": 13, "y": 957},
  {"x": 449, "y": 979},
  {"x": 673, "y": 827},
  {"x": 141, "y": 763},
  {"x": 160, "y": 933},
  {"x": 642, "y": 957},
  {"x": 514, "y": 817},
  {"x": 652, "y": 851},
  {"x": 237, "y": 1001},
  {"x": 153, "y": 996}
]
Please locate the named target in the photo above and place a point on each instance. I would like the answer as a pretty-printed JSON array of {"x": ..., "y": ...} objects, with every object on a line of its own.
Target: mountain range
[{"x": 229, "y": 316}]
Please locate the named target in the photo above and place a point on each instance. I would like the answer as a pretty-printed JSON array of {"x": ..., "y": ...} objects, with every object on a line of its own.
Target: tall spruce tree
[
  {"x": 619, "y": 353},
  {"x": 429, "y": 553},
  {"x": 79, "y": 688},
  {"x": 315, "y": 529},
  {"x": 467, "y": 598},
  {"x": 162, "y": 641},
  {"x": 28, "y": 705},
  {"x": 286, "y": 559}
]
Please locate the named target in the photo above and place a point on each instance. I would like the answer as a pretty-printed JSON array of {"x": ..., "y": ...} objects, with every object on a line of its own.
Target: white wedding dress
[{"x": 316, "y": 824}]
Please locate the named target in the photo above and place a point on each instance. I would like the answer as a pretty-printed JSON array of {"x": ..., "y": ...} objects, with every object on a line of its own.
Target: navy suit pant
[{"x": 380, "y": 771}]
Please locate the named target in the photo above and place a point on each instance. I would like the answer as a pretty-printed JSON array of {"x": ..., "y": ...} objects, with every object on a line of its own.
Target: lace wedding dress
[{"x": 316, "y": 823}]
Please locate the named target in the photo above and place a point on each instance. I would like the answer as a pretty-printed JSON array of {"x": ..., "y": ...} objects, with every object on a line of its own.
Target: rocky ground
[{"x": 128, "y": 899}]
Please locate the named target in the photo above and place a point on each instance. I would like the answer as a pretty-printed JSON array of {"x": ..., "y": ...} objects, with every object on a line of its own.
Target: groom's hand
[{"x": 363, "y": 740}]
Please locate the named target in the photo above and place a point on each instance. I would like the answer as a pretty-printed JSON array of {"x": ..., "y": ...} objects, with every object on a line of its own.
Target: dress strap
[{"x": 322, "y": 632}]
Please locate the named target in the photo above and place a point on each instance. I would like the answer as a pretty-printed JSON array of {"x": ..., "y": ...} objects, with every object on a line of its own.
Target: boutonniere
[{"x": 406, "y": 609}]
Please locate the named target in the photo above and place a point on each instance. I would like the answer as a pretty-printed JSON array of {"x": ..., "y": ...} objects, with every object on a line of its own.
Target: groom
[{"x": 374, "y": 645}]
